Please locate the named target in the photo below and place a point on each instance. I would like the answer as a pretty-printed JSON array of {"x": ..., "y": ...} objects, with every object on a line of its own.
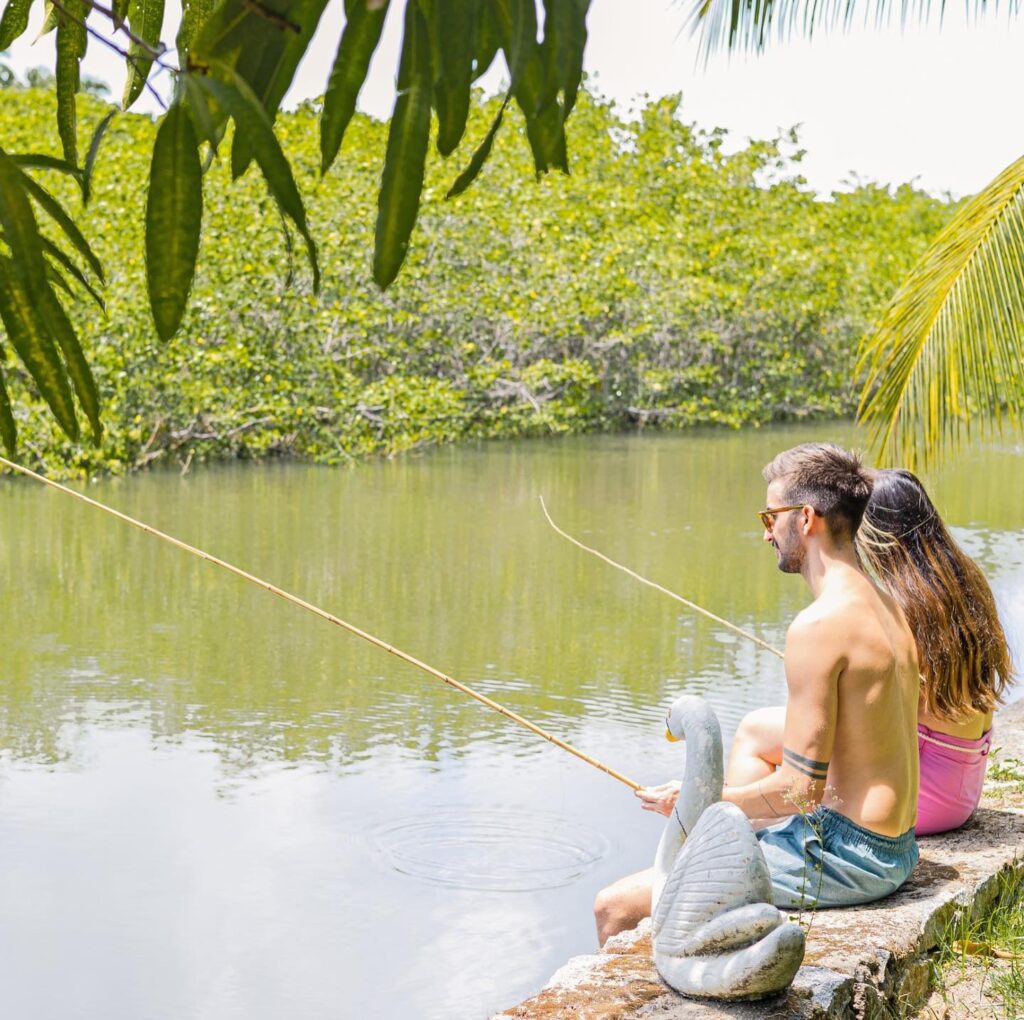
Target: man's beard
[{"x": 791, "y": 552}]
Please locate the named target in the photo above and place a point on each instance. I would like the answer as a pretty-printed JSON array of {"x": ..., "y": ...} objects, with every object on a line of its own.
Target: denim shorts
[{"x": 823, "y": 859}]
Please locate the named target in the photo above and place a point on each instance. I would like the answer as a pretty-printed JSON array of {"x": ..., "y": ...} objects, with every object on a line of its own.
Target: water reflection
[{"x": 214, "y": 805}]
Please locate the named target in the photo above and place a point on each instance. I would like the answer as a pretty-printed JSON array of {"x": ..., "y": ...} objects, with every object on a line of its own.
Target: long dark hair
[{"x": 965, "y": 661}]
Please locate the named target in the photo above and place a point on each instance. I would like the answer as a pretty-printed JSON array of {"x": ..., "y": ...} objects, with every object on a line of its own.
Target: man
[{"x": 845, "y": 784}]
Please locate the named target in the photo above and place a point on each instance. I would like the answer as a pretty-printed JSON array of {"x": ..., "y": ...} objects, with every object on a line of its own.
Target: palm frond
[
  {"x": 949, "y": 351},
  {"x": 749, "y": 25}
]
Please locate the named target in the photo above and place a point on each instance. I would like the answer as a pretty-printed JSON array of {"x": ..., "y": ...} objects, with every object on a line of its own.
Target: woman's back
[{"x": 965, "y": 661}]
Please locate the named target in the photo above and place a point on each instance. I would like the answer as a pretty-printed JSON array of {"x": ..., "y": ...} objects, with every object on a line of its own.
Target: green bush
[{"x": 664, "y": 283}]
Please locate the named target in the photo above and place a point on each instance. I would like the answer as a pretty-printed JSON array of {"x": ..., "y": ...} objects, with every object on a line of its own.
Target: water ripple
[{"x": 506, "y": 851}]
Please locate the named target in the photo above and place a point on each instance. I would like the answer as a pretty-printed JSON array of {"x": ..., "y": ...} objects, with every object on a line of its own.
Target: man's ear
[{"x": 810, "y": 519}]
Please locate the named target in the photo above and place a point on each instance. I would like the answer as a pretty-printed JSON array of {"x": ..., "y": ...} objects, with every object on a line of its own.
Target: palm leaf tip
[{"x": 947, "y": 356}]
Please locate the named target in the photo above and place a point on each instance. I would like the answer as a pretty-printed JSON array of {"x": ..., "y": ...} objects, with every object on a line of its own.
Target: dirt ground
[{"x": 970, "y": 991}]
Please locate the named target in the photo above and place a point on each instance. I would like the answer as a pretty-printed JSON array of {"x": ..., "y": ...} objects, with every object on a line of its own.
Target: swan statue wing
[{"x": 720, "y": 867}]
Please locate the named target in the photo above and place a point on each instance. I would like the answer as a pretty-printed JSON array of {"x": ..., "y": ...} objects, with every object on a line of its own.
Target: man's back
[{"x": 873, "y": 773}]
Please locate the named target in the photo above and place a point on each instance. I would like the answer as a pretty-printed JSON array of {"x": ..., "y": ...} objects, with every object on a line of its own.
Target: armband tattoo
[{"x": 816, "y": 770}]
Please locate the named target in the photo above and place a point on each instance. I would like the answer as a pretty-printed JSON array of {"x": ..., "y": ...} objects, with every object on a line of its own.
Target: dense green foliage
[{"x": 664, "y": 283}]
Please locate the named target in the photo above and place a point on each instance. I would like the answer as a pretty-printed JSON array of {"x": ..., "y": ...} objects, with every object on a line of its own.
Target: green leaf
[
  {"x": 197, "y": 103},
  {"x": 466, "y": 178},
  {"x": 408, "y": 139},
  {"x": 59, "y": 326},
  {"x": 50, "y": 18},
  {"x": 358, "y": 42},
  {"x": 950, "y": 346},
  {"x": 488, "y": 41},
  {"x": 517, "y": 23},
  {"x": 251, "y": 119},
  {"x": 14, "y": 21},
  {"x": 8, "y": 428},
  {"x": 194, "y": 14},
  {"x": 43, "y": 161},
  {"x": 119, "y": 10},
  {"x": 18, "y": 221},
  {"x": 90, "y": 158},
  {"x": 71, "y": 45},
  {"x": 29, "y": 337},
  {"x": 146, "y": 19},
  {"x": 174, "y": 213},
  {"x": 59, "y": 215},
  {"x": 571, "y": 19},
  {"x": 31, "y": 312},
  {"x": 65, "y": 260},
  {"x": 270, "y": 78},
  {"x": 747, "y": 25},
  {"x": 453, "y": 22}
]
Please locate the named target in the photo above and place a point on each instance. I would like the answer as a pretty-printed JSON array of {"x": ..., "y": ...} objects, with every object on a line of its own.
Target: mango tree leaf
[
  {"x": 517, "y": 24},
  {"x": 56, "y": 277},
  {"x": 14, "y": 21},
  {"x": 30, "y": 339},
  {"x": 194, "y": 14},
  {"x": 60, "y": 256},
  {"x": 8, "y": 428},
  {"x": 271, "y": 78},
  {"x": 358, "y": 42},
  {"x": 466, "y": 178},
  {"x": 50, "y": 17},
  {"x": 59, "y": 215},
  {"x": 43, "y": 161},
  {"x": 453, "y": 23},
  {"x": 262, "y": 41},
  {"x": 408, "y": 139},
  {"x": 146, "y": 20},
  {"x": 514, "y": 26},
  {"x": 90, "y": 158},
  {"x": 249, "y": 116},
  {"x": 565, "y": 45},
  {"x": 71, "y": 45},
  {"x": 488, "y": 41},
  {"x": 207, "y": 128},
  {"x": 59, "y": 326},
  {"x": 174, "y": 213},
  {"x": 119, "y": 10},
  {"x": 23, "y": 288}
]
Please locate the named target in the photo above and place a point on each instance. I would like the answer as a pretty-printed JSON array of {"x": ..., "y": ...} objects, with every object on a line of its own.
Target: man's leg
[
  {"x": 623, "y": 905},
  {"x": 757, "y": 746}
]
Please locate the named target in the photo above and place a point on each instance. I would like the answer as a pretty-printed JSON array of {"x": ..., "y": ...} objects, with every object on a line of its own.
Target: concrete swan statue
[{"x": 715, "y": 932}]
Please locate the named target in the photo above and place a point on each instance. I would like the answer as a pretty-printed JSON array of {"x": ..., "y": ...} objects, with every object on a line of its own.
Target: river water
[{"x": 213, "y": 805}]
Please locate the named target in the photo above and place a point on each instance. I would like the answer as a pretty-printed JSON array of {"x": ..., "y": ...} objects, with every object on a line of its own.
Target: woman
[{"x": 965, "y": 661}]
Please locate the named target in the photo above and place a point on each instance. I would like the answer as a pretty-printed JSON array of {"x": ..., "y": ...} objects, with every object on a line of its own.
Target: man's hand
[{"x": 660, "y": 799}]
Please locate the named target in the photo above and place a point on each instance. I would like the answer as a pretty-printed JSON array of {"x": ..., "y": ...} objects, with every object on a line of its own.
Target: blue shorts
[{"x": 822, "y": 859}]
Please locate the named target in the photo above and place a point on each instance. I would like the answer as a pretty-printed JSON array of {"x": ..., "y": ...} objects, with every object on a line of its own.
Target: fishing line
[
  {"x": 329, "y": 617},
  {"x": 665, "y": 591}
]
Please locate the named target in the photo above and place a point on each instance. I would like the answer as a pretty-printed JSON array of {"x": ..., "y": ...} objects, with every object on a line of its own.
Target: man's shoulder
[{"x": 821, "y": 615}]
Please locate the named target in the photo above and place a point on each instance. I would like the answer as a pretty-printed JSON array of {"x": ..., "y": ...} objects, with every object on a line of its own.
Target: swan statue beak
[{"x": 670, "y": 737}]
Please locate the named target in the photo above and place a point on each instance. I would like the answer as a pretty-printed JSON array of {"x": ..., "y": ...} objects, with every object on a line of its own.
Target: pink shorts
[{"x": 952, "y": 773}]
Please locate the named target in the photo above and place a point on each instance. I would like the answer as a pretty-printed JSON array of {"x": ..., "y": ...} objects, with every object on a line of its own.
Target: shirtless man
[{"x": 845, "y": 784}]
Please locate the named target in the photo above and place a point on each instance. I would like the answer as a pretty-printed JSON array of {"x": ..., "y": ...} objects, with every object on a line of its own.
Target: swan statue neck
[{"x": 690, "y": 719}]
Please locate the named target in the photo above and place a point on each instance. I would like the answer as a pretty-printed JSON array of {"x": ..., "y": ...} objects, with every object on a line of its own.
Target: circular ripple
[{"x": 497, "y": 851}]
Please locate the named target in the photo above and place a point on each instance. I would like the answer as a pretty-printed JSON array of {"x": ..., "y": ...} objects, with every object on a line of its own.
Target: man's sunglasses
[{"x": 768, "y": 514}]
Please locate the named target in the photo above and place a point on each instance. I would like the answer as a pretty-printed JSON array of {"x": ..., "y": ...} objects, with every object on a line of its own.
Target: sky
[{"x": 935, "y": 105}]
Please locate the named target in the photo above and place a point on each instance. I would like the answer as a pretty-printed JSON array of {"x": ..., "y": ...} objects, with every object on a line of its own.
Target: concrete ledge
[{"x": 860, "y": 962}]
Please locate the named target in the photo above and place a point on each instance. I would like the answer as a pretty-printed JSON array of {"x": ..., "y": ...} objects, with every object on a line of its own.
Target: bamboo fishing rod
[
  {"x": 665, "y": 591},
  {"x": 324, "y": 615}
]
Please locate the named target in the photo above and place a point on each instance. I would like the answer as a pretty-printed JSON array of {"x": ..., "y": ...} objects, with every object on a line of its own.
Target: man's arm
[{"x": 812, "y": 674}]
